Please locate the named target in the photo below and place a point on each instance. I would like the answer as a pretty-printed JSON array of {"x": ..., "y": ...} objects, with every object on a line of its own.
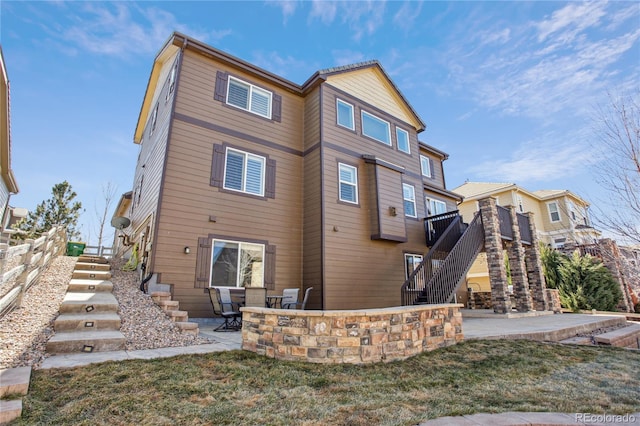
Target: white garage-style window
[
  {"x": 236, "y": 264},
  {"x": 244, "y": 172}
]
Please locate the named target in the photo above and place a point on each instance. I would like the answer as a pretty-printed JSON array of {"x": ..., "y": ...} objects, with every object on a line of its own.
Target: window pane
[
  {"x": 426, "y": 168},
  {"x": 375, "y": 128},
  {"x": 348, "y": 183},
  {"x": 409, "y": 200},
  {"x": 255, "y": 170},
  {"x": 260, "y": 102},
  {"x": 224, "y": 265},
  {"x": 345, "y": 115},
  {"x": 347, "y": 174},
  {"x": 347, "y": 192},
  {"x": 251, "y": 265},
  {"x": 238, "y": 94},
  {"x": 234, "y": 170},
  {"x": 403, "y": 140}
]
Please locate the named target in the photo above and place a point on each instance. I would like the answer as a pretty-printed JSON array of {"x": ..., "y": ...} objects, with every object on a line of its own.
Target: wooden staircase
[{"x": 88, "y": 320}]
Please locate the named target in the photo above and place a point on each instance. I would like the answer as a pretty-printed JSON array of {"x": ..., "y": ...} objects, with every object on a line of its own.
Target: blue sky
[{"x": 508, "y": 89}]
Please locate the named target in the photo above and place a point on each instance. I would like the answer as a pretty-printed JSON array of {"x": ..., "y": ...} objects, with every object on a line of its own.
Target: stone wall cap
[{"x": 351, "y": 312}]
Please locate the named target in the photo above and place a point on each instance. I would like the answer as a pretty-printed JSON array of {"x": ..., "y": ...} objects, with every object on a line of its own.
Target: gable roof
[
  {"x": 179, "y": 41},
  {"x": 477, "y": 190}
]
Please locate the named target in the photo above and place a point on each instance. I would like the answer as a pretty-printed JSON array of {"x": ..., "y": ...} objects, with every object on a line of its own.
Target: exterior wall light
[{"x": 187, "y": 250}]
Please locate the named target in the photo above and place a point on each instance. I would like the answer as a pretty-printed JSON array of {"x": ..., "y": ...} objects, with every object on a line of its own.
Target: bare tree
[
  {"x": 618, "y": 132},
  {"x": 108, "y": 194}
]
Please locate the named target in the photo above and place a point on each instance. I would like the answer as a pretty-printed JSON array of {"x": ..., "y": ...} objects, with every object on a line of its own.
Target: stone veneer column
[
  {"x": 495, "y": 256},
  {"x": 610, "y": 258},
  {"x": 518, "y": 266},
  {"x": 535, "y": 273}
]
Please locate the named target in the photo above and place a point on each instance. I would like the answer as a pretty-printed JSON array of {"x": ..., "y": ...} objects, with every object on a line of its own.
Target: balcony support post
[
  {"x": 516, "y": 254},
  {"x": 535, "y": 272},
  {"x": 500, "y": 299}
]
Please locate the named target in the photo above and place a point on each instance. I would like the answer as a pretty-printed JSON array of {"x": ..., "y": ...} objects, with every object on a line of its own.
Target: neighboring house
[
  {"x": 8, "y": 184},
  {"x": 247, "y": 179},
  {"x": 561, "y": 216}
]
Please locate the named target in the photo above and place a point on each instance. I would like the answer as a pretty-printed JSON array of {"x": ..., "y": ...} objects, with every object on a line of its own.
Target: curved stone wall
[{"x": 355, "y": 337}]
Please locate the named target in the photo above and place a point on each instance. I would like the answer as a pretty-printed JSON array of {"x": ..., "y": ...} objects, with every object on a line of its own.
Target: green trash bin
[{"x": 75, "y": 248}]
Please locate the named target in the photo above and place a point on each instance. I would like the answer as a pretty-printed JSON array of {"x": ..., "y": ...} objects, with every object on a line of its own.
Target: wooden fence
[{"x": 22, "y": 265}]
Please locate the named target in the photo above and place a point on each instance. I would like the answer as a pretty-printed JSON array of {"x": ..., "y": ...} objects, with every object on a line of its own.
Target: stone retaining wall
[
  {"x": 553, "y": 298},
  {"x": 354, "y": 337}
]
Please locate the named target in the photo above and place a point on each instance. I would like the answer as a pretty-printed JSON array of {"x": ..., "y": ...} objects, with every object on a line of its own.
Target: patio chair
[
  {"x": 224, "y": 307},
  {"x": 255, "y": 296},
  {"x": 289, "y": 297},
  {"x": 300, "y": 305}
]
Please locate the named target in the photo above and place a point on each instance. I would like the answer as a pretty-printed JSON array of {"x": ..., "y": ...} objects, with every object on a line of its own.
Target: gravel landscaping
[{"x": 25, "y": 331}]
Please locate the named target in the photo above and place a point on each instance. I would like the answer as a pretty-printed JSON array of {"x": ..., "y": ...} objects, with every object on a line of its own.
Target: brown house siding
[{"x": 189, "y": 202}]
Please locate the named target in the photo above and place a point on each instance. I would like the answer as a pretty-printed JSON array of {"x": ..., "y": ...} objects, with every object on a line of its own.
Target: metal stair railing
[{"x": 436, "y": 278}]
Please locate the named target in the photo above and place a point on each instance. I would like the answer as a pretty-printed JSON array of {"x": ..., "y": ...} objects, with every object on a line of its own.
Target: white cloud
[
  {"x": 539, "y": 160},
  {"x": 324, "y": 10},
  {"x": 571, "y": 20},
  {"x": 286, "y": 66},
  {"x": 405, "y": 17},
  {"x": 123, "y": 29},
  {"x": 346, "y": 57},
  {"x": 288, "y": 7},
  {"x": 363, "y": 17}
]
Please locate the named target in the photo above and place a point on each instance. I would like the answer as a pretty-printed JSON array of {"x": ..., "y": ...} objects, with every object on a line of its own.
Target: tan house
[
  {"x": 8, "y": 184},
  {"x": 247, "y": 179},
  {"x": 560, "y": 218}
]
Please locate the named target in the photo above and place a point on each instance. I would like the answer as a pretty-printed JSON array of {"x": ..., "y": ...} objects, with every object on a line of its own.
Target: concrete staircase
[
  {"x": 161, "y": 295},
  {"x": 625, "y": 335},
  {"x": 14, "y": 382},
  {"x": 88, "y": 320}
]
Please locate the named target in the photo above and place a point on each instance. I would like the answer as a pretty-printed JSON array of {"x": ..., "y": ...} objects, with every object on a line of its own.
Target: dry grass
[{"x": 238, "y": 387}]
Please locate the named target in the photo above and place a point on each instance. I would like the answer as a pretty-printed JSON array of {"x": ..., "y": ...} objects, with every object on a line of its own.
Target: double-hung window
[
  {"x": 435, "y": 207},
  {"x": 348, "y": 176},
  {"x": 244, "y": 172},
  {"x": 344, "y": 114},
  {"x": 376, "y": 128},
  {"x": 249, "y": 97},
  {"x": 425, "y": 166},
  {"x": 554, "y": 213},
  {"x": 403, "y": 140},
  {"x": 236, "y": 264},
  {"x": 409, "y": 196}
]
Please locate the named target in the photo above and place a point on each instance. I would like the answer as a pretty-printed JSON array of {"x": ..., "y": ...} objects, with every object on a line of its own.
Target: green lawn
[{"x": 243, "y": 388}]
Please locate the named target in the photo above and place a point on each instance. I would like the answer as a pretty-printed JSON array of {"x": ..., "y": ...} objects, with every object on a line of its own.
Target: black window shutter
[
  {"x": 276, "y": 113},
  {"x": 221, "y": 86},
  {"x": 270, "y": 182},
  {"x": 217, "y": 166},
  {"x": 203, "y": 262},
  {"x": 432, "y": 169},
  {"x": 270, "y": 267}
]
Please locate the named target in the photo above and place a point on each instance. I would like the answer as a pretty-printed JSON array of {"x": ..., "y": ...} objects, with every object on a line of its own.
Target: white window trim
[
  {"x": 413, "y": 201},
  {"x": 246, "y": 156},
  {"x": 399, "y": 130},
  {"x": 354, "y": 184},
  {"x": 388, "y": 142},
  {"x": 154, "y": 119},
  {"x": 239, "y": 243},
  {"x": 425, "y": 160},
  {"x": 557, "y": 211},
  {"x": 252, "y": 88},
  {"x": 428, "y": 202},
  {"x": 412, "y": 255},
  {"x": 353, "y": 121}
]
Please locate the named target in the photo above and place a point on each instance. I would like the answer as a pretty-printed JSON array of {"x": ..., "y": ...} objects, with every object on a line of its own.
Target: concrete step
[
  {"x": 87, "y": 321},
  {"x": 169, "y": 305},
  {"x": 86, "y": 341},
  {"x": 188, "y": 327},
  {"x": 15, "y": 381},
  {"x": 94, "y": 286},
  {"x": 178, "y": 316},
  {"x": 85, "y": 258},
  {"x": 92, "y": 275},
  {"x": 10, "y": 410},
  {"x": 88, "y": 302},
  {"x": 625, "y": 337},
  {"x": 160, "y": 296},
  {"x": 88, "y": 266}
]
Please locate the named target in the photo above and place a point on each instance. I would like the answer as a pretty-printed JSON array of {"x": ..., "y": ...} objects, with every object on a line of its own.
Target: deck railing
[
  {"x": 525, "y": 231},
  {"x": 504, "y": 218},
  {"x": 427, "y": 284},
  {"x": 435, "y": 226}
]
